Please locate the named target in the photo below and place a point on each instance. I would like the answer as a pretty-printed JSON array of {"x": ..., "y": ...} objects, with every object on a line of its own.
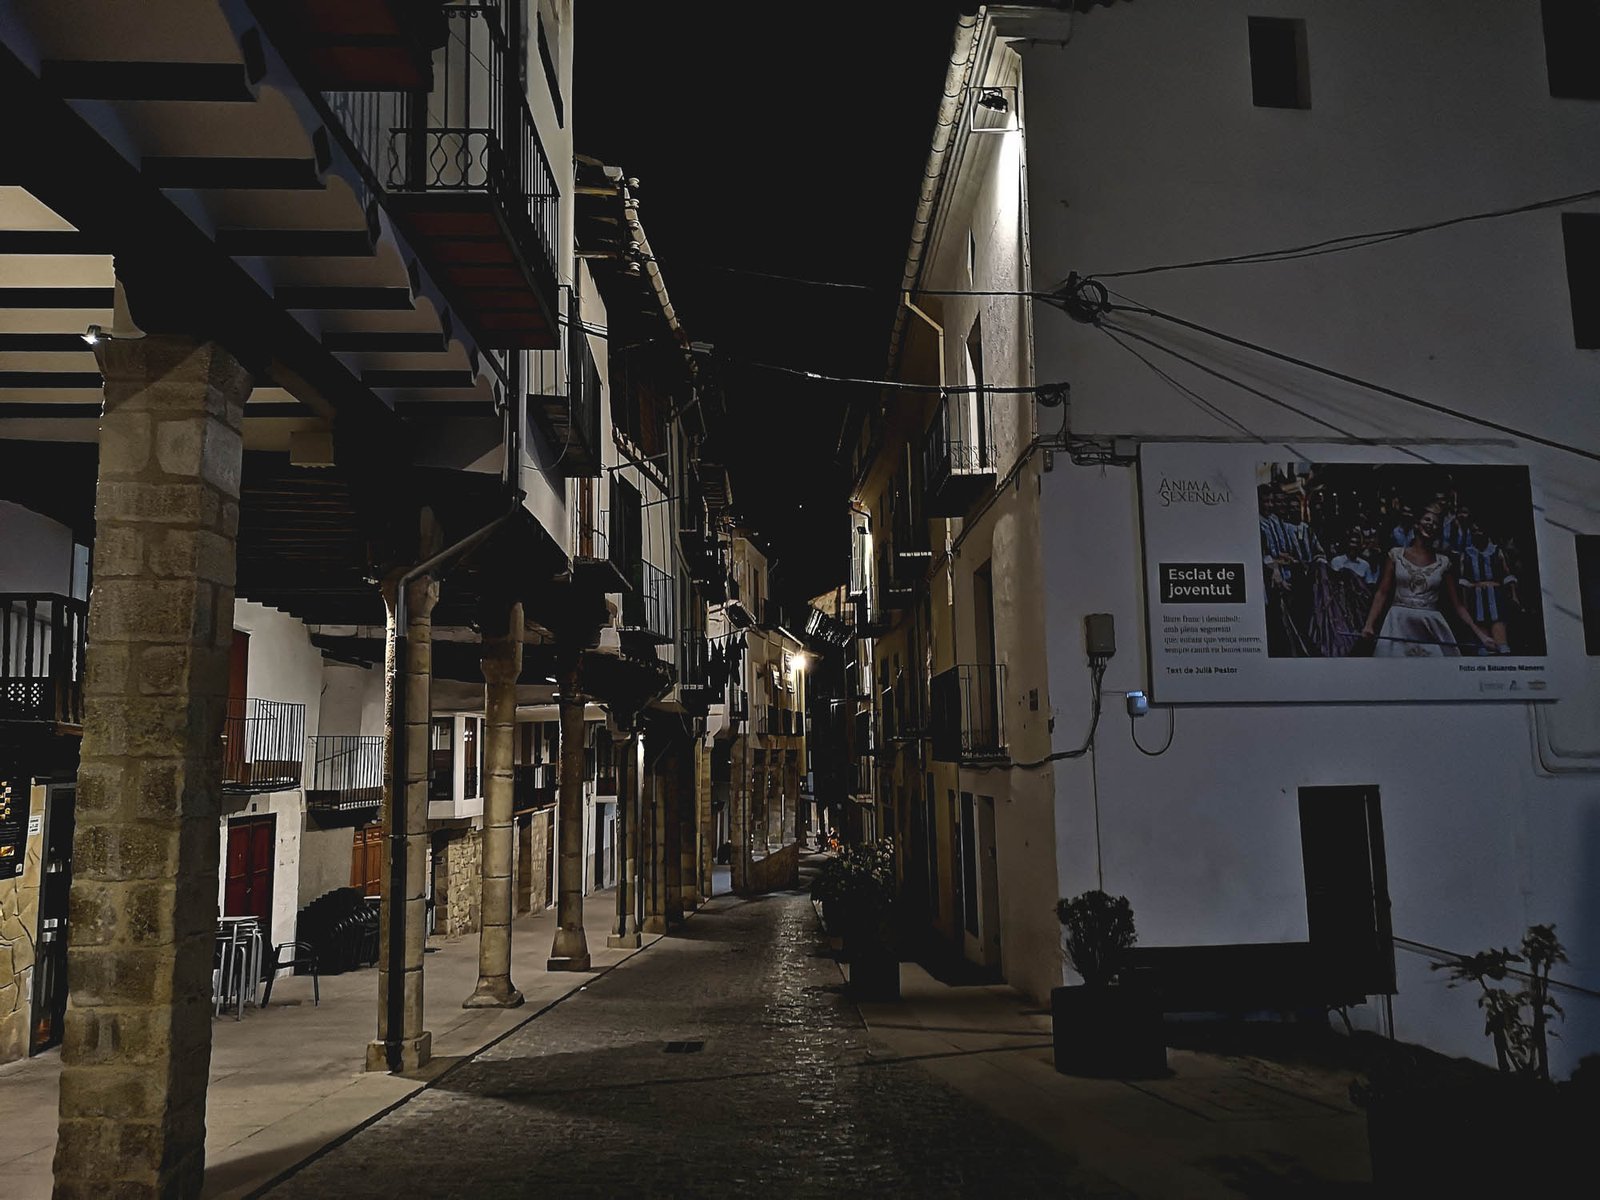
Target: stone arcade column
[
  {"x": 137, "y": 1049},
  {"x": 739, "y": 818},
  {"x": 502, "y": 664},
  {"x": 570, "y": 951},
  {"x": 688, "y": 799},
  {"x": 630, "y": 769},
  {"x": 406, "y": 816}
]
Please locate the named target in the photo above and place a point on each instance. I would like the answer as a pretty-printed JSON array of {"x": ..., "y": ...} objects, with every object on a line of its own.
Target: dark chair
[{"x": 301, "y": 954}]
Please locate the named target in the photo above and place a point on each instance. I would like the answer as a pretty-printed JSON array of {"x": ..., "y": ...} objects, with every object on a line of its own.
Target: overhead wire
[
  {"x": 1353, "y": 380},
  {"x": 1353, "y": 241}
]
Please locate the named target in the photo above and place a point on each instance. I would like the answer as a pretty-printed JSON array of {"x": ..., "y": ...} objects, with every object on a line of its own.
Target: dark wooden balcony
[
  {"x": 958, "y": 459},
  {"x": 967, "y": 713},
  {"x": 357, "y": 45},
  {"x": 42, "y": 644},
  {"x": 345, "y": 786},
  {"x": 466, "y": 176},
  {"x": 263, "y": 746}
]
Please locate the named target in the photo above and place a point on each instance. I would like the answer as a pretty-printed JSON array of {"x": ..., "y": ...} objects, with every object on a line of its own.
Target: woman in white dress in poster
[{"x": 1415, "y": 578}]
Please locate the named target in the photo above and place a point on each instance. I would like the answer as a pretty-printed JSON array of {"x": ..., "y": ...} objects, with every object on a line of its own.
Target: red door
[{"x": 248, "y": 890}]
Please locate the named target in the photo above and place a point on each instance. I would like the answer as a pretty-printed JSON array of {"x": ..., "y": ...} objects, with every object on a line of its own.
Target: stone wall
[
  {"x": 19, "y": 925},
  {"x": 457, "y": 881}
]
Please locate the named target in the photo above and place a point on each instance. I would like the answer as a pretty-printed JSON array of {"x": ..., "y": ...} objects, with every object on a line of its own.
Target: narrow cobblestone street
[{"x": 778, "y": 1092}]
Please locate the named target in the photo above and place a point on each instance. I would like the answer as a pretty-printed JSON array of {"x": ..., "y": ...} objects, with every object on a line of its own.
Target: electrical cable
[
  {"x": 1097, "y": 674},
  {"x": 1172, "y": 728},
  {"x": 1187, "y": 392},
  {"x": 1333, "y": 245},
  {"x": 1353, "y": 241},
  {"x": 1354, "y": 380},
  {"x": 1240, "y": 384}
]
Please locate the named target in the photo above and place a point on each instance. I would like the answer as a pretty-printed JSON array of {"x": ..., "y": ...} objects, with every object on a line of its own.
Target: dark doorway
[
  {"x": 247, "y": 891},
  {"x": 969, "y": 864},
  {"x": 1347, "y": 887},
  {"x": 55, "y": 884}
]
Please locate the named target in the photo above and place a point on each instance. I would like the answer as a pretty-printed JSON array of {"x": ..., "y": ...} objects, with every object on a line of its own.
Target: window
[
  {"x": 1571, "y": 44},
  {"x": 1279, "y": 74},
  {"x": 551, "y": 74},
  {"x": 1589, "y": 589},
  {"x": 1581, "y": 232}
]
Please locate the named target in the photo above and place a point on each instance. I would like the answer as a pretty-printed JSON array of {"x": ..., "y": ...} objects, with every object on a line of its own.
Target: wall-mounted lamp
[{"x": 994, "y": 99}]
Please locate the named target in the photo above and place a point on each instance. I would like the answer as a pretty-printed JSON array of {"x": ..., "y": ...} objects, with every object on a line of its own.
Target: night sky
[{"x": 777, "y": 138}]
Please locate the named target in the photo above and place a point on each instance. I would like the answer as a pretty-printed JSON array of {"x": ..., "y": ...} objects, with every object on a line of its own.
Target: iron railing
[
  {"x": 263, "y": 746},
  {"x": 346, "y": 773},
  {"x": 967, "y": 713},
  {"x": 959, "y": 450},
  {"x": 652, "y": 605},
  {"x": 43, "y": 639},
  {"x": 473, "y": 132}
]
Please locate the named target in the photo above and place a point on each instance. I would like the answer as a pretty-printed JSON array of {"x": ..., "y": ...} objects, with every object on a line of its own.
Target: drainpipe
[{"x": 398, "y": 823}]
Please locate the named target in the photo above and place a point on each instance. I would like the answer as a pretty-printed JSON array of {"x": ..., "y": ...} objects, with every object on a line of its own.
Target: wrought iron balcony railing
[
  {"x": 651, "y": 607},
  {"x": 564, "y": 398},
  {"x": 596, "y": 557},
  {"x": 42, "y": 644},
  {"x": 958, "y": 460},
  {"x": 346, "y": 775},
  {"x": 463, "y": 168},
  {"x": 263, "y": 746},
  {"x": 967, "y": 713}
]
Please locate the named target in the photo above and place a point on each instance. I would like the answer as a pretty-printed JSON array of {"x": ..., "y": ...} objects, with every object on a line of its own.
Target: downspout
[{"x": 398, "y": 824}]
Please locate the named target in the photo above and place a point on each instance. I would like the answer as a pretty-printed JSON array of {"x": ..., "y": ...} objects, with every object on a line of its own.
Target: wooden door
[
  {"x": 252, "y": 842},
  {"x": 366, "y": 859}
]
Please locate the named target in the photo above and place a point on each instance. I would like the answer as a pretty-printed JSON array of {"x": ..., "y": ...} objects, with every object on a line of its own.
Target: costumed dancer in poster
[
  {"x": 1414, "y": 580},
  {"x": 1342, "y": 597}
]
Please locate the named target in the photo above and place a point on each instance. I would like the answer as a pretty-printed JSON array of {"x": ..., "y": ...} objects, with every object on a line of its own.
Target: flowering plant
[{"x": 859, "y": 879}]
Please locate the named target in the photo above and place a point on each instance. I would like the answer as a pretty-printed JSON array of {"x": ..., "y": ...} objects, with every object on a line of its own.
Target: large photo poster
[{"x": 1308, "y": 573}]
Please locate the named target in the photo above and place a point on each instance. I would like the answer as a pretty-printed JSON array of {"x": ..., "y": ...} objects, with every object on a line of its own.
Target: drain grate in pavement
[{"x": 685, "y": 1047}]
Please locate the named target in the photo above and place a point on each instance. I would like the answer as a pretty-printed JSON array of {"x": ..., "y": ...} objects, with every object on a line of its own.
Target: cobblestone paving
[{"x": 784, "y": 1099}]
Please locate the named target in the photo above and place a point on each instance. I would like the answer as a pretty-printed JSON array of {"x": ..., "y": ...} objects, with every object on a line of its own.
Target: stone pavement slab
[
  {"x": 289, "y": 1079},
  {"x": 724, "y": 1063},
  {"x": 1218, "y": 1126}
]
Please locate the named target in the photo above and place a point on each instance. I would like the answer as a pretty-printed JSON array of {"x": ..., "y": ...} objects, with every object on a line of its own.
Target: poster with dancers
[{"x": 1341, "y": 572}]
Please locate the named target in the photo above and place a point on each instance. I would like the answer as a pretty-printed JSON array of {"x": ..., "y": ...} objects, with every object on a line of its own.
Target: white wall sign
[{"x": 1340, "y": 572}]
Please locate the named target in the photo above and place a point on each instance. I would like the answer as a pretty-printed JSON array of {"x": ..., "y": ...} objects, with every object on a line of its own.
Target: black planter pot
[
  {"x": 874, "y": 964},
  {"x": 1113, "y": 1031},
  {"x": 1473, "y": 1134}
]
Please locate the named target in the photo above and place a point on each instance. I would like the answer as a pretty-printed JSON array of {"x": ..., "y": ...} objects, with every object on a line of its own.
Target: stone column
[
  {"x": 570, "y": 951},
  {"x": 137, "y": 1047},
  {"x": 707, "y": 821},
  {"x": 739, "y": 817},
  {"x": 658, "y": 847},
  {"x": 502, "y": 664},
  {"x": 688, "y": 829},
  {"x": 401, "y": 1036},
  {"x": 630, "y": 773}
]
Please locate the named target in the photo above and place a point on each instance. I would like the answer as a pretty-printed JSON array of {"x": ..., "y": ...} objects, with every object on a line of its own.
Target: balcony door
[
  {"x": 983, "y": 732},
  {"x": 234, "y": 739}
]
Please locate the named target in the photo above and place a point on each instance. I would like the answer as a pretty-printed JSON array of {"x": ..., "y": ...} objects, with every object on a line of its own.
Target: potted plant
[
  {"x": 1110, "y": 1025},
  {"x": 1434, "y": 1123},
  {"x": 856, "y": 890}
]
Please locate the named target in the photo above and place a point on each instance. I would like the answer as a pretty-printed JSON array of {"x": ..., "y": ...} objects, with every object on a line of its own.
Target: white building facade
[{"x": 1310, "y": 756}]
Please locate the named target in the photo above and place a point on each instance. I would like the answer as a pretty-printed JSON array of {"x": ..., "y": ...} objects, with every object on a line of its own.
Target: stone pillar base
[
  {"x": 576, "y": 962},
  {"x": 494, "y": 991},
  {"x": 655, "y": 924},
  {"x": 624, "y": 941},
  {"x": 415, "y": 1053}
]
